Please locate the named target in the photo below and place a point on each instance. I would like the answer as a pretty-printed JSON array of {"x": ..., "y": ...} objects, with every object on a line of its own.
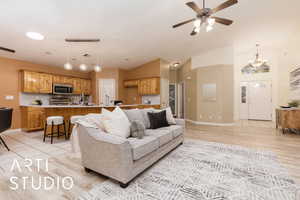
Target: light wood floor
[{"x": 252, "y": 134}]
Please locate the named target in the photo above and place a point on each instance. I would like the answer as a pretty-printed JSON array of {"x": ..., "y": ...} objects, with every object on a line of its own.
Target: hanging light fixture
[
  {"x": 97, "y": 67},
  {"x": 83, "y": 67},
  {"x": 258, "y": 61},
  {"x": 68, "y": 65}
]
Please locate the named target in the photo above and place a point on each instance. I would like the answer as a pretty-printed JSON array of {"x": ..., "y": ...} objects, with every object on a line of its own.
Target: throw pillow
[
  {"x": 134, "y": 114},
  {"x": 145, "y": 116},
  {"x": 169, "y": 115},
  {"x": 137, "y": 129},
  {"x": 117, "y": 127},
  {"x": 96, "y": 119},
  {"x": 158, "y": 119},
  {"x": 116, "y": 115}
]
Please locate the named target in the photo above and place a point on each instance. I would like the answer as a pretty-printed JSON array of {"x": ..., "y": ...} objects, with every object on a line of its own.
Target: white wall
[{"x": 221, "y": 56}]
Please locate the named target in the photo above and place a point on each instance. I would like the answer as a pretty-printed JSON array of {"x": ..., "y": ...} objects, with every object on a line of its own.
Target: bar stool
[
  {"x": 72, "y": 121},
  {"x": 54, "y": 121}
]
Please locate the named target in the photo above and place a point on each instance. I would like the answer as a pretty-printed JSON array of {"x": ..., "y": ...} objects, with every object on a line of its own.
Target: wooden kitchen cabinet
[
  {"x": 62, "y": 79},
  {"x": 149, "y": 86},
  {"x": 32, "y": 118},
  {"x": 131, "y": 83},
  {"x": 86, "y": 86},
  {"x": 30, "y": 82},
  {"x": 45, "y": 83},
  {"x": 76, "y": 82}
]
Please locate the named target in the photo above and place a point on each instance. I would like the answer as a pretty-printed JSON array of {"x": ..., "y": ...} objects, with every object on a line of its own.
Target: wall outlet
[{"x": 9, "y": 97}]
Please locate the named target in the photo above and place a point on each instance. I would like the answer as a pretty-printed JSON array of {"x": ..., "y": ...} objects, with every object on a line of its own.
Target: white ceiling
[{"x": 139, "y": 30}]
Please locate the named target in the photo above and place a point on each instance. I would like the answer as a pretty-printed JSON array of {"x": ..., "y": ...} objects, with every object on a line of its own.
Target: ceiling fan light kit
[{"x": 204, "y": 16}]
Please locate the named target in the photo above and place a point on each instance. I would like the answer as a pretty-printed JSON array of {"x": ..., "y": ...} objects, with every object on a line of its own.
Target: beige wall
[
  {"x": 221, "y": 110},
  {"x": 196, "y": 108},
  {"x": 164, "y": 82},
  {"x": 10, "y": 83}
]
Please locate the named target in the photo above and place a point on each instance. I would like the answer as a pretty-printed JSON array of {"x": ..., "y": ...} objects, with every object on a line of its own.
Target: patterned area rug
[{"x": 209, "y": 171}]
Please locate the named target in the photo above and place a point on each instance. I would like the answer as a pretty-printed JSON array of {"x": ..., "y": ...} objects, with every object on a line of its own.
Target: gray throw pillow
[
  {"x": 137, "y": 129},
  {"x": 145, "y": 116},
  {"x": 134, "y": 114}
]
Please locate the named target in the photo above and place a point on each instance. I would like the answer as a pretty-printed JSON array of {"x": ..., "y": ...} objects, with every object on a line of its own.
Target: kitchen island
[{"x": 33, "y": 117}]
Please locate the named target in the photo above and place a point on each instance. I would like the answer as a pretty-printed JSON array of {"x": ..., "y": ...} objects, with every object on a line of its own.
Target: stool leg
[
  {"x": 4, "y": 143},
  {"x": 52, "y": 127},
  {"x": 45, "y": 131},
  {"x": 69, "y": 128},
  {"x": 58, "y": 133},
  {"x": 66, "y": 132}
]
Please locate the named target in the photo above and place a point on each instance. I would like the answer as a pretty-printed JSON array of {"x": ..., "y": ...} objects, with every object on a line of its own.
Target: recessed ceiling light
[
  {"x": 35, "y": 36},
  {"x": 83, "y": 67}
]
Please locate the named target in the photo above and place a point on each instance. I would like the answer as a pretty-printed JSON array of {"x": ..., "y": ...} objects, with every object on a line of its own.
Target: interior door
[
  {"x": 107, "y": 91},
  {"x": 260, "y": 100}
]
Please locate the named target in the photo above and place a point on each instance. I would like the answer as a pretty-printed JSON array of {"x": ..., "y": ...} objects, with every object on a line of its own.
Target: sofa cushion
[
  {"x": 142, "y": 147},
  {"x": 176, "y": 130},
  {"x": 162, "y": 135}
]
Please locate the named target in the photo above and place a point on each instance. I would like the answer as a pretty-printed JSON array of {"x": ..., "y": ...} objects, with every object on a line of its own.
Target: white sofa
[{"x": 123, "y": 159}]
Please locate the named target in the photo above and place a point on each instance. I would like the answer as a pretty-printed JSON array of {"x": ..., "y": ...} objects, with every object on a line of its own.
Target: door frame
[
  {"x": 176, "y": 99},
  {"x": 181, "y": 97},
  {"x": 247, "y": 97}
]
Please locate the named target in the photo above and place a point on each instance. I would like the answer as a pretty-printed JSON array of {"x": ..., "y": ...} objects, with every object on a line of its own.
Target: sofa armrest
[
  {"x": 180, "y": 122},
  {"x": 105, "y": 153}
]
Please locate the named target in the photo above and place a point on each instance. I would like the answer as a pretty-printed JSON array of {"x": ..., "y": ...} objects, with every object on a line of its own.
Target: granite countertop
[{"x": 81, "y": 106}]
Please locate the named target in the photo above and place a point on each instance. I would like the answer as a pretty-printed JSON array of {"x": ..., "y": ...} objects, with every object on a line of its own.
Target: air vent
[
  {"x": 82, "y": 40},
  {"x": 8, "y": 50}
]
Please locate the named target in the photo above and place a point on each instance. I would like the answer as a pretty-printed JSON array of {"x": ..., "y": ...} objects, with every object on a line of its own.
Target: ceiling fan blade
[
  {"x": 8, "y": 50},
  {"x": 82, "y": 40},
  {"x": 193, "y": 6},
  {"x": 223, "y": 21},
  {"x": 224, "y": 5},
  {"x": 185, "y": 22}
]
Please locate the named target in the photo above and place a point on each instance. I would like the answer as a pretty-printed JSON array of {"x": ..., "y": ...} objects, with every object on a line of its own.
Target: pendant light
[
  {"x": 68, "y": 65},
  {"x": 97, "y": 67},
  {"x": 258, "y": 62}
]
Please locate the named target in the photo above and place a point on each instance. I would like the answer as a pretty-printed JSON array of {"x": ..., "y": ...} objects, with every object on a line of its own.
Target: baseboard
[
  {"x": 209, "y": 123},
  {"x": 12, "y": 130}
]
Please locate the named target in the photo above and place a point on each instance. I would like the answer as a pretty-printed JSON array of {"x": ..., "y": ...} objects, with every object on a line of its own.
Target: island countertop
[
  {"x": 34, "y": 116},
  {"x": 91, "y": 106}
]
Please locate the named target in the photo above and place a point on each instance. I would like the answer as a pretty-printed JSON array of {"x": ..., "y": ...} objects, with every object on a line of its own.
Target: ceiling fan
[{"x": 204, "y": 16}]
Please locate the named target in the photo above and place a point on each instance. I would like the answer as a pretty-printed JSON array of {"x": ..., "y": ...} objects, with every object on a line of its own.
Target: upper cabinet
[
  {"x": 86, "y": 86},
  {"x": 34, "y": 82},
  {"x": 131, "y": 83},
  {"x": 45, "y": 81},
  {"x": 30, "y": 82},
  {"x": 149, "y": 86},
  {"x": 146, "y": 86}
]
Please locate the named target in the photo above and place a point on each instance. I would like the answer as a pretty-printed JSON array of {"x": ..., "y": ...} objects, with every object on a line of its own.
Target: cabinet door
[
  {"x": 86, "y": 86},
  {"x": 57, "y": 79},
  {"x": 30, "y": 82},
  {"x": 76, "y": 82},
  {"x": 35, "y": 120},
  {"x": 45, "y": 81},
  {"x": 67, "y": 80},
  {"x": 155, "y": 86}
]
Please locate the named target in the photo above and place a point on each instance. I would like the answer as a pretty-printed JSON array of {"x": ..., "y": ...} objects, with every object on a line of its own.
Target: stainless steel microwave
[{"x": 62, "y": 89}]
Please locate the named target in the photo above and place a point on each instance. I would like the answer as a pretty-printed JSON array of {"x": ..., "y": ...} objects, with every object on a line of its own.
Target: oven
[{"x": 62, "y": 89}]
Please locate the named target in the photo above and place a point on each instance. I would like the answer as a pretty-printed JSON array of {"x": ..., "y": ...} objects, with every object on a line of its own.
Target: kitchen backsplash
[
  {"x": 155, "y": 99},
  {"x": 26, "y": 99}
]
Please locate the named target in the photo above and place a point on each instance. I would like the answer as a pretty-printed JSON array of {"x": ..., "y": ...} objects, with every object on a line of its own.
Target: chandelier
[{"x": 258, "y": 62}]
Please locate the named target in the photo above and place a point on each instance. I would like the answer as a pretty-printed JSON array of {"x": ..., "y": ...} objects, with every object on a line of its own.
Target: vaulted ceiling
[{"x": 133, "y": 32}]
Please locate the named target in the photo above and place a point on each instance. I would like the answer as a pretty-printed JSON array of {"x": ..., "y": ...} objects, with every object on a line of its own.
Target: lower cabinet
[{"x": 32, "y": 118}]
